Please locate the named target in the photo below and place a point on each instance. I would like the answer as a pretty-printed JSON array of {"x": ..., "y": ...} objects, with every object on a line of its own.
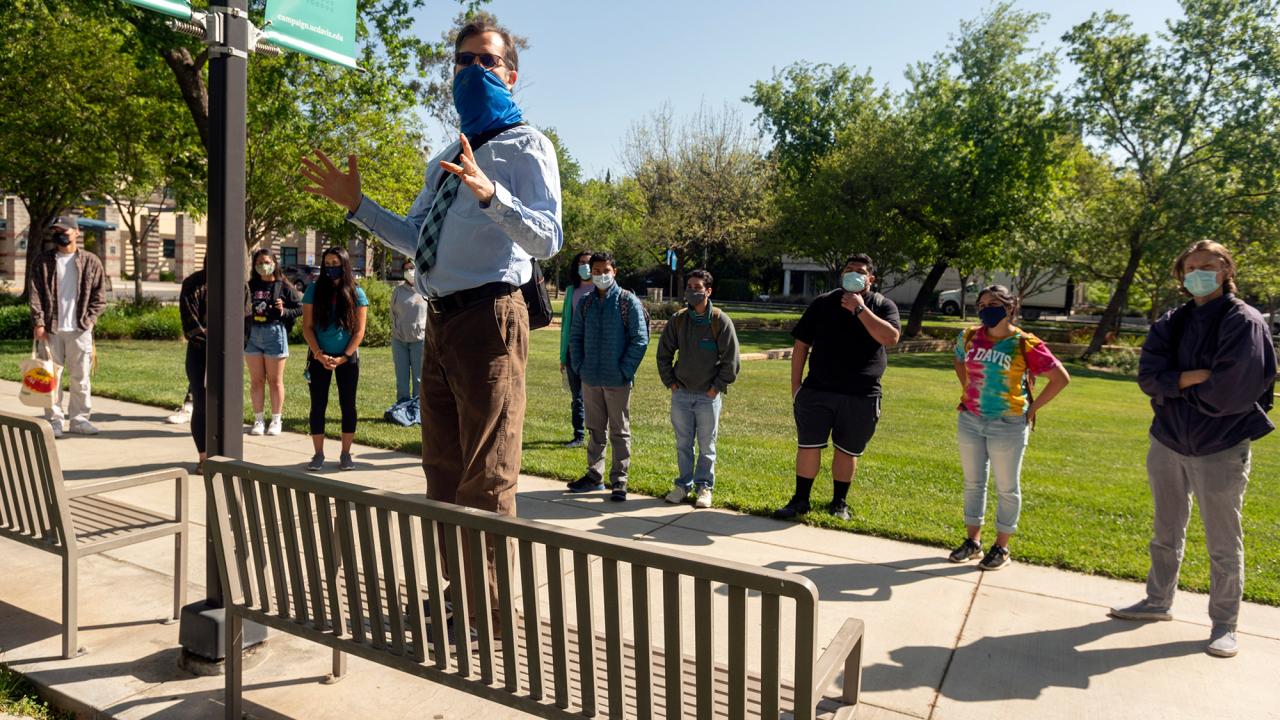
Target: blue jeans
[
  {"x": 997, "y": 443},
  {"x": 693, "y": 414},
  {"x": 407, "y": 357},
  {"x": 576, "y": 406}
]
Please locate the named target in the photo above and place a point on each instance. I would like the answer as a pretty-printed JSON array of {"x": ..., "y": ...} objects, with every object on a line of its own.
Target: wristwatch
[
  {"x": 347, "y": 356},
  {"x": 858, "y": 310}
]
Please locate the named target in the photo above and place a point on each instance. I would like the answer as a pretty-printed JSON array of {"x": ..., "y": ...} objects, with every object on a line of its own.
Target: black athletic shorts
[{"x": 849, "y": 421}]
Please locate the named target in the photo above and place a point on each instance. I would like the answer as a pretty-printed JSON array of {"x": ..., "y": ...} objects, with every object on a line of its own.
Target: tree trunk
[
  {"x": 187, "y": 71},
  {"x": 41, "y": 218},
  {"x": 1111, "y": 316},
  {"x": 921, "y": 302}
]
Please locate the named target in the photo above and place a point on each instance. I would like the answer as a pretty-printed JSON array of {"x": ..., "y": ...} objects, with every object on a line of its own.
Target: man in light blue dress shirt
[{"x": 472, "y": 237}]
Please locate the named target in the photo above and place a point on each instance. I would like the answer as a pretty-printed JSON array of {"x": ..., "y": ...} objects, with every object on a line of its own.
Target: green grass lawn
[{"x": 1086, "y": 505}]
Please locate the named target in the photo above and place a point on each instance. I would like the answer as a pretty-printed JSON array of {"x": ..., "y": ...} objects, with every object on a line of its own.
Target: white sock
[
  {"x": 257, "y": 417},
  {"x": 275, "y": 417}
]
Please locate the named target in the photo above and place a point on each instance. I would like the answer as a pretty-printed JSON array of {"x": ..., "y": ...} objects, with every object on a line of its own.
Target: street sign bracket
[{"x": 233, "y": 12}]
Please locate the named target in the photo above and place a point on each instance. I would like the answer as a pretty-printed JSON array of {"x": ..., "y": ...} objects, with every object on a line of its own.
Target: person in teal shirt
[
  {"x": 579, "y": 288},
  {"x": 334, "y": 311}
]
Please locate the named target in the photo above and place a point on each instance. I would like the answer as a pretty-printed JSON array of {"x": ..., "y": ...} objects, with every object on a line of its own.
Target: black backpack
[
  {"x": 535, "y": 290},
  {"x": 1181, "y": 318}
]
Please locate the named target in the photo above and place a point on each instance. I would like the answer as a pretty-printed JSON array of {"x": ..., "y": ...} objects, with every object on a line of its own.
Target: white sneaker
[
  {"x": 704, "y": 498},
  {"x": 56, "y": 425},
  {"x": 274, "y": 427},
  {"x": 82, "y": 427},
  {"x": 677, "y": 495},
  {"x": 258, "y": 428},
  {"x": 182, "y": 416}
]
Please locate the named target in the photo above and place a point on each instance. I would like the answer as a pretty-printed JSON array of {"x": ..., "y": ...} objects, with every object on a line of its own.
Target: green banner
[
  {"x": 180, "y": 9},
  {"x": 324, "y": 29}
]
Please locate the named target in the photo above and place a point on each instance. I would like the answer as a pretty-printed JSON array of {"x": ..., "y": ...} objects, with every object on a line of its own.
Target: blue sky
[{"x": 596, "y": 66}]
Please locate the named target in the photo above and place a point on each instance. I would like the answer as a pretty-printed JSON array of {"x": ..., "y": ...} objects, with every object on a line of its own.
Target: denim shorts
[{"x": 269, "y": 340}]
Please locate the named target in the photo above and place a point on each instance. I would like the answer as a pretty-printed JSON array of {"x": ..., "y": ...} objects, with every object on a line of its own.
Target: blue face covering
[
  {"x": 1201, "y": 282},
  {"x": 483, "y": 101},
  {"x": 992, "y": 316},
  {"x": 584, "y": 272},
  {"x": 853, "y": 282}
]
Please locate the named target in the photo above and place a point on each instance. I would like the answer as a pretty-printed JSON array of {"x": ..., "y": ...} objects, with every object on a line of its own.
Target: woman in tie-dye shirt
[{"x": 996, "y": 363}]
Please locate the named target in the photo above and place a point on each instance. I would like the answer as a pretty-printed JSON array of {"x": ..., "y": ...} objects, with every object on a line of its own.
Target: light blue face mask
[
  {"x": 853, "y": 282},
  {"x": 584, "y": 272},
  {"x": 604, "y": 282},
  {"x": 1201, "y": 282},
  {"x": 483, "y": 101}
]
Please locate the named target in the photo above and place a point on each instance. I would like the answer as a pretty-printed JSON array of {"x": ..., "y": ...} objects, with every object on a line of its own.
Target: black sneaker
[
  {"x": 839, "y": 508},
  {"x": 619, "y": 491},
  {"x": 967, "y": 551},
  {"x": 995, "y": 559},
  {"x": 573, "y": 444},
  {"x": 586, "y": 483},
  {"x": 795, "y": 508}
]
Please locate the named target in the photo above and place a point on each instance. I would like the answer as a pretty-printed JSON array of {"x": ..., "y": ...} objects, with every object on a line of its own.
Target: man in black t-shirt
[{"x": 842, "y": 335}]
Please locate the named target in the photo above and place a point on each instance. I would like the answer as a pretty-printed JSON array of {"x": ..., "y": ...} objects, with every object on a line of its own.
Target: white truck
[{"x": 1058, "y": 297}]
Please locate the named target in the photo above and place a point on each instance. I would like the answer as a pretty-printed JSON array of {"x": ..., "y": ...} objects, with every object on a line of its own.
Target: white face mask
[
  {"x": 604, "y": 282},
  {"x": 409, "y": 275},
  {"x": 266, "y": 268}
]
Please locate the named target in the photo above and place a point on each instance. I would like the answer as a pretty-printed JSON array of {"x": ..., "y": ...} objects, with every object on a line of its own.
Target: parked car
[{"x": 300, "y": 276}]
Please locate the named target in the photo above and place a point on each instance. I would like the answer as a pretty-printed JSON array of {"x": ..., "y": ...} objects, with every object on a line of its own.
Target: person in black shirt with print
[{"x": 842, "y": 335}]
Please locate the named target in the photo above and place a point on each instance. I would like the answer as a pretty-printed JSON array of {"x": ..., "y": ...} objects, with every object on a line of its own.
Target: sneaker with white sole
[
  {"x": 997, "y": 558},
  {"x": 56, "y": 426},
  {"x": 1222, "y": 642},
  {"x": 1143, "y": 611},
  {"x": 259, "y": 427},
  {"x": 83, "y": 427},
  {"x": 704, "y": 498},
  {"x": 317, "y": 462},
  {"x": 181, "y": 417},
  {"x": 274, "y": 427},
  {"x": 345, "y": 462},
  {"x": 677, "y": 495}
]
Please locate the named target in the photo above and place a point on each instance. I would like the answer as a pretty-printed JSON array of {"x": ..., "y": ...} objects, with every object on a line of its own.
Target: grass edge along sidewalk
[{"x": 1086, "y": 505}]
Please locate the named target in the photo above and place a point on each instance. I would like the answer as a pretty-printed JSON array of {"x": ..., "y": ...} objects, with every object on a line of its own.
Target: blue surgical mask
[
  {"x": 584, "y": 272},
  {"x": 483, "y": 101},
  {"x": 604, "y": 282},
  {"x": 854, "y": 282},
  {"x": 333, "y": 273},
  {"x": 992, "y": 316},
  {"x": 1201, "y": 282}
]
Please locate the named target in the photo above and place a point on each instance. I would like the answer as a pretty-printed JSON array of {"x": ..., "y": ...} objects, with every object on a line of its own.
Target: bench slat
[
  {"x": 347, "y": 559},
  {"x": 586, "y": 619},
  {"x": 613, "y": 638},
  {"x": 289, "y": 528},
  {"x": 674, "y": 641},
  {"x": 369, "y": 573},
  {"x": 249, "y": 491},
  {"x": 507, "y": 616},
  {"x": 270, "y": 513},
  {"x": 457, "y": 590},
  {"x": 329, "y": 540},
  {"x": 737, "y": 651},
  {"x": 644, "y": 647},
  {"x": 410, "y": 549},
  {"x": 559, "y": 638},
  {"x": 307, "y": 523},
  {"x": 482, "y": 614},
  {"x": 704, "y": 649},
  {"x": 236, "y": 521},
  {"x": 391, "y": 581},
  {"x": 431, "y": 553},
  {"x": 769, "y": 656},
  {"x": 532, "y": 635}
]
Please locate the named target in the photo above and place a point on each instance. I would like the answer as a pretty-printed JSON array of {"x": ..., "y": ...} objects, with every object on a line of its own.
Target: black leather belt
[{"x": 454, "y": 302}]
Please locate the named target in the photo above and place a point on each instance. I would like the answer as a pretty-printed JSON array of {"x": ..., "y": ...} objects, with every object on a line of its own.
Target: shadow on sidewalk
[
  {"x": 115, "y": 473},
  {"x": 869, "y": 582},
  {"x": 1021, "y": 666}
]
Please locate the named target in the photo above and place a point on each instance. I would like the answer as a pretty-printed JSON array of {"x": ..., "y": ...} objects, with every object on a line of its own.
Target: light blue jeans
[
  {"x": 407, "y": 357},
  {"x": 695, "y": 416},
  {"x": 996, "y": 443}
]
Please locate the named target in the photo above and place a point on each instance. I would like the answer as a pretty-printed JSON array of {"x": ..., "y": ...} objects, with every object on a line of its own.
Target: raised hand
[
  {"x": 327, "y": 181},
  {"x": 470, "y": 173}
]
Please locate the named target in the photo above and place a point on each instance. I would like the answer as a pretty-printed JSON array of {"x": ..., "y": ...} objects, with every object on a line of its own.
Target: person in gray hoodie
[
  {"x": 707, "y": 344},
  {"x": 408, "y": 329}
]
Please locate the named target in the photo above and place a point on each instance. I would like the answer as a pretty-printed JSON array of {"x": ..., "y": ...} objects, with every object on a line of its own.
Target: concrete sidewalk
[{"x": 943, "y": 641}]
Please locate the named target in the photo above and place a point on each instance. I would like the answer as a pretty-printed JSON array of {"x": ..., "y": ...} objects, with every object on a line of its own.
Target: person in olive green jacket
[{"x": 581, "y": 286}]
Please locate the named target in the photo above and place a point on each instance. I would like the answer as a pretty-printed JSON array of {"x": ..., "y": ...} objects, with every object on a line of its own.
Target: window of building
[
  {"x": 169, "y": 249},
  {"x": 288, "y": 256}
]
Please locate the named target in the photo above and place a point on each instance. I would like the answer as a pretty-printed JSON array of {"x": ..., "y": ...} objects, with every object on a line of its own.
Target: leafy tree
[
  {"x": 57, "y": 105},
  {"x": 1193, "y": 117}
]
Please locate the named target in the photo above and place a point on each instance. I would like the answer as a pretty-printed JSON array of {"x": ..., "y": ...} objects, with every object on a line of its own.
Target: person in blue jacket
[{"x": 607, "y": 341}]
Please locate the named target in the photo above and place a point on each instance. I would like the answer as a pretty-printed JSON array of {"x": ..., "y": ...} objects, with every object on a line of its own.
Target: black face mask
[
  {"x": 694, "y": 297},
  {"x": 62, "y": 238},
  {"x": 333, "y": 273}
]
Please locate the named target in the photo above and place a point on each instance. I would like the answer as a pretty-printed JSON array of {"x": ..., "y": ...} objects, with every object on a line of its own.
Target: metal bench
[
  {"x": 364, "y": 571},
  {"x": 38, "y": 509}
]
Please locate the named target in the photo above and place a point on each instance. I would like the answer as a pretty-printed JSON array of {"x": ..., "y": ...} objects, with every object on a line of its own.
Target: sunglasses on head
[{"x": 487, "y": 60}]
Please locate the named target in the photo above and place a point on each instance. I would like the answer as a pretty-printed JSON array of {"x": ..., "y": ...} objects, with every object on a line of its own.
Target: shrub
[
  {"x": 1121, "y": 361},
  {"x": 168, "y": 276},
  {"x": 15, "y": 322},
  {"x": 733, "y": 289},
  {"x": 662, "y": 310},
  {"x": 164, "y": 324},
  {"x": 115, "y": 323},
  {"x": 377, "y": 330},
  {"x": 139, "y": 307}
]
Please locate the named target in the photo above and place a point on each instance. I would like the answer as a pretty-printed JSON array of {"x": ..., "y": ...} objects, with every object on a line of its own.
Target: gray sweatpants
[
  {"x": 608, "y": 410},
  {"x": 1218, "y": 482}
]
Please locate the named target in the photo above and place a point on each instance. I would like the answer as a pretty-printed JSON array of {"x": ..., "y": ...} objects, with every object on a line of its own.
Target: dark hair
[
  {"x": 862, "y": 258},
  {"x": 702, "y": 275},
  {"x": 253, "y": 262},
  {"x": 481, "y": 26},
  {"x": 340, "y": 299},
  {"x": 1001, "y": 293},
  {"x": 603, "y": 257},
  {"x": 1179, "y": 272}
]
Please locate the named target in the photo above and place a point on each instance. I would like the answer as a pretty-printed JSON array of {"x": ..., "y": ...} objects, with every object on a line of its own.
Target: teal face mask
[
  {"x": 853, "y": 282},
  {"x": 1201, "y": 282}
]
